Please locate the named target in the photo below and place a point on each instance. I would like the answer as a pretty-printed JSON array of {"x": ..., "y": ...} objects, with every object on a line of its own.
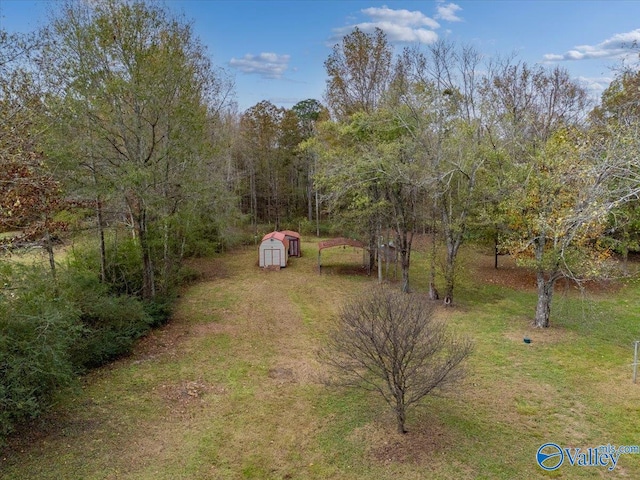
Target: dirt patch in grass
[
  {"x": 50, "y": 428},
  {"x": 187, "y": 392},
  {"x": 185, "y": 398},
  {"x": 292, "y": 370},
  {"x": 282, "y": 375},
  {"x": 160, "y": 342},
  {"x": 418, "y": 446},
  {"x": 508, "y": 274},
  {"x": 213, "y": 328}
]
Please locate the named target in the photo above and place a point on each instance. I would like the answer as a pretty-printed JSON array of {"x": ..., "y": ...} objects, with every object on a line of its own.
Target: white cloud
[
  {"x": 266, "y": 64},
  {"x": 400, "y": 33},
  {"x": 595, "y": 86},
  {"x": 399, "y": 25},
  {"x": 447, "y": 12},
  {"x": 404, "y": 18},
  {"x": 617, "y": 46}
]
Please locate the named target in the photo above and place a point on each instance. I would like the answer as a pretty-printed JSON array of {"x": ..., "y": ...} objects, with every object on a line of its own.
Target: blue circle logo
[{"x": 550, "y": 456}]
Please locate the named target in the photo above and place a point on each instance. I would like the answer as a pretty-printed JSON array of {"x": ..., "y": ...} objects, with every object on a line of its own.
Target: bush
[
  {"x": 50, "y": 331},
  {"x": 123, "y": 264},
  {"x": 159, "y": 310},
  {"x": 124, "y": 267},
  {"x": 111, "y": 323},
  {"x": 37, "y": 331}
]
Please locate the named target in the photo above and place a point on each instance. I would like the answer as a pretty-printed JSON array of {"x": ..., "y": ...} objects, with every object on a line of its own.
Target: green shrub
[
  {"x": 37, "y": 331},
  {"x": 305, "y": 227},
  {"x": 123, "y": 265},
  {"x": 236, "y": 237},
  {"x": 112, "y": 323},
  {"x": 159, "y": 310}
]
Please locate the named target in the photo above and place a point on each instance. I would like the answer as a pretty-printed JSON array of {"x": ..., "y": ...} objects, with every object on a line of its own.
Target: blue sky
[{"x": 275, "y": 50}]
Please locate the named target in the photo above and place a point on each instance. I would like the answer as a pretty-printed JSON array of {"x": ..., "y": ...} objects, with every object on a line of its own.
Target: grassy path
[{"x": 230, "y": 389}]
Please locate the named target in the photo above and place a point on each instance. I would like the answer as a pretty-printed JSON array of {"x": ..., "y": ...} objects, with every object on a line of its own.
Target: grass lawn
[{"x": 231, "y": 389}]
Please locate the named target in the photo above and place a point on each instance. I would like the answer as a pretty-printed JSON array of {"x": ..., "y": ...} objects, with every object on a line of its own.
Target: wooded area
[{"x": 117, "y": 129}]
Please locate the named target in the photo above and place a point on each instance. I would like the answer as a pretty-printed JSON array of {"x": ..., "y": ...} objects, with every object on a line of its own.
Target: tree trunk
[
  {"x": 167, "y": 263},
  {"x": 148, "y": 283},
  {"x": 625, "y": 252},
  {"x": 309, "y": 195},
  {"x": 373, "y": 240},
  {"x": 405, "y": 259},
  {"x": 449, "y": 269},
  {"x": 453, "y": 237},
  {"x": 317, "y": 214},
  {"x": 48, "y": 245},
  {"x": 253, "y": 197},
  {"x": 433, "y": 292},
  {"x": 388, "y": 258},
  {"x": 103, "y": 248},
  {"x": 405, "y": 273},
  {"x": 545, "y": 295},
  {"x": 381, "y": 254},
  {"x": 100, "y": 221},
  {"x": 277, "y": 201},
  {"x": 148, "y": 280},
  {"x": 400, "y": 416}
]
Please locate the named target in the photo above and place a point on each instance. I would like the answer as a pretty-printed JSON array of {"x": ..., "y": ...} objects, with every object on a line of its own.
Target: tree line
[
  {"x": 116, "y": 125},
  {"x": 443, "y": 141}
]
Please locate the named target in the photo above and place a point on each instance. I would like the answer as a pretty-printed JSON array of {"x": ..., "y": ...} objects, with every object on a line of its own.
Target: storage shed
[
  {"x": 273, "y": 250},
  {"x": 294, "y": 243}
]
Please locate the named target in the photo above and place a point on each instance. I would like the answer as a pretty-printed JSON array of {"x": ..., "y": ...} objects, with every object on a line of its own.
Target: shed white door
[{"x": 271, "y": 256}]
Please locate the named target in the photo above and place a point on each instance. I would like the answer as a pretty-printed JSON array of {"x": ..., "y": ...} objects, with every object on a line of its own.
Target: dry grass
[{"x": 231, "y": 389}]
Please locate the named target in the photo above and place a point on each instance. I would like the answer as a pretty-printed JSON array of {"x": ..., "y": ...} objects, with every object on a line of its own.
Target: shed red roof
[
  {"x": 277, "y": 236},
  {"x": 291, "y": 233}
]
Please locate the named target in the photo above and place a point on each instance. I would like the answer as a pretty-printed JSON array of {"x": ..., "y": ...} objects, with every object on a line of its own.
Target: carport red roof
[{"x": 336, "y": 242}]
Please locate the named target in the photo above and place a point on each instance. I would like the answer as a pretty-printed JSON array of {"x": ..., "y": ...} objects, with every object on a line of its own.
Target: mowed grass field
[{"x": 231, "y": 387}]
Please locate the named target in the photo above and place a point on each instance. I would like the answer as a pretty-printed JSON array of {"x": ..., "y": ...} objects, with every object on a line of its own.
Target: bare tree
[{"x": 389, "y": 342}]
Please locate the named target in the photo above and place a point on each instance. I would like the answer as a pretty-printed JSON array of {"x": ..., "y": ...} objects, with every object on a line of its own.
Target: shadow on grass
[{"x": 344, "y": 269}]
